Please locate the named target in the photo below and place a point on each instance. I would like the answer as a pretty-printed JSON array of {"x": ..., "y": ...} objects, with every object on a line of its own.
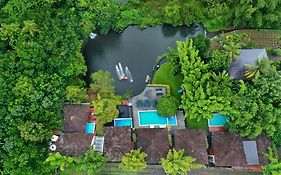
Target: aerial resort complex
[{"x": 140, "y": 87}]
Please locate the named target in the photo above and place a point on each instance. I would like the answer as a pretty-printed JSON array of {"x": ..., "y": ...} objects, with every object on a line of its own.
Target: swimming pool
[
  {"x": 123, "y": 122},
  {"x": 217, "y": 120},
  {"x": 90, "y": 128},
  {"x": 151, "y": 117}
]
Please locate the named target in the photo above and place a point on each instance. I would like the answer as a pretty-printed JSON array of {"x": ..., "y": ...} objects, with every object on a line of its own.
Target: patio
[{"x": 147, "y": 100}]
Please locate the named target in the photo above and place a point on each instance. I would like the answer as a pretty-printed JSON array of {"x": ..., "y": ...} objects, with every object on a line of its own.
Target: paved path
[{"x": 112, "y": 169}]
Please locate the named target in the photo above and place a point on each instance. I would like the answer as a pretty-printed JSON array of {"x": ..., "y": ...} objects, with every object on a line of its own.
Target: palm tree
[
  {"x": 254, "y": 71},
  {"x": 232, "y": 51},
  {"x": 30, "y": 27}
]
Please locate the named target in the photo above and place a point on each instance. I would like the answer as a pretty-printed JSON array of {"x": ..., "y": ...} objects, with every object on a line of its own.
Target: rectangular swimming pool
[
  {"x": 90, "y": 128},
  {"x": 151, "y": 117},
  {"x": 123, "y": 122},
  {"x": 217, "y": 120}
]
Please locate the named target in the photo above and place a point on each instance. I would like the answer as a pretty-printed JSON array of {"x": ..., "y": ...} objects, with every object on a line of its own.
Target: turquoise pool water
[
  {"x": 217, "y": 120},
  {"x": 90, "y": 128},
  {"x": 153, "y": 118},
  {"x": 123, "y": 122}
]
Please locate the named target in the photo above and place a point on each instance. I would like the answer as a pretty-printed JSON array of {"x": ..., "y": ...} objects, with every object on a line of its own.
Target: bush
[
  {"x": 274, "y": 51},
  {"x": 167, "y": 106}
]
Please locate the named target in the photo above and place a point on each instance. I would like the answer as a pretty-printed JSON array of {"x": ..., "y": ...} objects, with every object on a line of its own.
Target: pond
[{"x": 135, "y": 48}]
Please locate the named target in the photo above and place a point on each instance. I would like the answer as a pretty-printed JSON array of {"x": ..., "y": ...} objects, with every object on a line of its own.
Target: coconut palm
[
  {"x": 254, "y": 71},
  {"x": 30, "y": 27},
  {"x": 232, "y": 51}
]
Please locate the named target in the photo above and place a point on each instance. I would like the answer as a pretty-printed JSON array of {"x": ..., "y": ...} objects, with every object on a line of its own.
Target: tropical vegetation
[
  {"x": 106, "y": 100},
  {"x": 251, "y": 104},
  {"x": 274, "y": 167},
  {"x": 90, "y": 163},
  {"x": 177, "y": 163},
  {"x": 41, "y": 66},
  {"x": 133, "y": 161},
  {"x": 167, "y": 105}
]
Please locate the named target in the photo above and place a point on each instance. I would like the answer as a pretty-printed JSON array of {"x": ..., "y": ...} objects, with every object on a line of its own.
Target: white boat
[
  {"x": 122, "y": 71},
  {"x": 147, "y": 78},
  {"x": 129, "y": 75},
  {"x": 118, "y": 72},
  {"x": 92, "y": 35}
]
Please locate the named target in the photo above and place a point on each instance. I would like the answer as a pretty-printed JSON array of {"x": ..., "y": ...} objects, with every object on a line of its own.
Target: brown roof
[
  {"x": 74, "y": 144},
  {"x": 75, "y": 118},
  {"x": 228, "y": 149},
  {"x": 154, "y": 142},
  {"x": 194, "y": 142},
  {"x": 117, "y": 142}
]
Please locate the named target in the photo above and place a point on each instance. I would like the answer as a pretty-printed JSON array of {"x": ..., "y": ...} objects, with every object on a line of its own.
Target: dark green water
[{"x": 135, "y": 48}]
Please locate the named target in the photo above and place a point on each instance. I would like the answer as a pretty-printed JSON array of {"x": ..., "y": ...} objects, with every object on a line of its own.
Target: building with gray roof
[{"x": 246, "y": 56}]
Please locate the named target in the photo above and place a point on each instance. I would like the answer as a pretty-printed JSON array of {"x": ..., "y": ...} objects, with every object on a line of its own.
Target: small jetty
[{"x": 123, "y": 75}]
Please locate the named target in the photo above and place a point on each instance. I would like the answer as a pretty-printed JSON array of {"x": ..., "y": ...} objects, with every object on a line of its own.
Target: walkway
[{"x": 113, "y": 169}]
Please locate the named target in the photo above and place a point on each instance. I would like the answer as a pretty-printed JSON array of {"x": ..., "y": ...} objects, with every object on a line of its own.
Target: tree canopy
[
  {"x": 103, "y": 83},
  {"x": 256, "y": 107},
  {"x": 90, "y": 163},
  {"x": 177, "y": 163},
  {"x": 198, "y": 101},
  {"x": 134, "y": 161},
  {"x": 40, "y": 43},
  {"x": 167, "y": 106}
]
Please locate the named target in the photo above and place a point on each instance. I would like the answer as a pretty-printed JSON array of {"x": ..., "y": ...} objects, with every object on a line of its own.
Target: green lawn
[
  {"x": 165, "y": 76},
  {"x": 194, "y": 124}
]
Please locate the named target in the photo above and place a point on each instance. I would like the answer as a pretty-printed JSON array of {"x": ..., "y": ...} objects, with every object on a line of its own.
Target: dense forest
[{"x": 40, "y": 57}]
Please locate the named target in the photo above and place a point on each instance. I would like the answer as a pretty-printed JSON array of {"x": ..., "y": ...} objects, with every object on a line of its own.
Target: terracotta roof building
[
  {"x": 74, "y": 144},
  {"x": 154, "y": 142},
  {"x": 75, "y": 118},
  {"x": 231, "y": 150},
  {"x": 117, "y": 142},
  {"x": 194, "y": 142}
]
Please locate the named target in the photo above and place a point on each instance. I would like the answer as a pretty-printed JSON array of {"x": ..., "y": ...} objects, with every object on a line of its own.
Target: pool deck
[{"x": 150, "y": 94}]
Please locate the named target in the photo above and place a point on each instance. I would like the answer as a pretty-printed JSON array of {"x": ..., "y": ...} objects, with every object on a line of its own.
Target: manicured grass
[
  {"x": 194, "y": 124},
  {"x": 164, "y": 75}
]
